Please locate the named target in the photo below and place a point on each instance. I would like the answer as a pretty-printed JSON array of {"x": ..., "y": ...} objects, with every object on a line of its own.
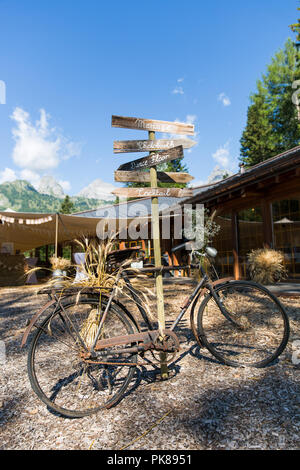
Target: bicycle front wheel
[
  {"x": 58, "y": 372},
  {"x": 252, "y": 330}
]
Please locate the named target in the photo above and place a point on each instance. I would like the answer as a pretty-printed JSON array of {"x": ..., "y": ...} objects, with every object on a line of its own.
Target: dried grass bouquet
[
  {"x": 266, "y": 266},
  {"x": 59, "y": 263}
]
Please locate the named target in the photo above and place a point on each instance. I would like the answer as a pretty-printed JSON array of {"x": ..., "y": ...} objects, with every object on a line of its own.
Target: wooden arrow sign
[
  {"x": 153, "y": 160},
  {"x": 153, "y": 192},
  {"x": 126, "y": 146},
  {"x": 144, "y": 177},
  {"x": 153, "y": 125}
]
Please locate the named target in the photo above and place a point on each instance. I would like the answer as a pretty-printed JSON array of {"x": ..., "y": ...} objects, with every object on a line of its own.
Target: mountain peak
[
  {"x": 48, "y": 185},
  {"x": 98, "y": 189},
  {"x": 218, "y": 174}
]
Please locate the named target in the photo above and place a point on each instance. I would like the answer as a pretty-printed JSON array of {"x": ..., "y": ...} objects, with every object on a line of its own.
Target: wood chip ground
[{"x": 209, "y": 405}]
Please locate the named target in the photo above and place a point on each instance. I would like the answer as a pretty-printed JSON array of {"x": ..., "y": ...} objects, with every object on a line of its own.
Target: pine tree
[
  {"x": 256, "y": 141},
  {"x": 175, "y": 166},
  {"x": 296, "y": 29},
  {"x": 67, "y": 206},
  {"x": 272, "y": 122}
]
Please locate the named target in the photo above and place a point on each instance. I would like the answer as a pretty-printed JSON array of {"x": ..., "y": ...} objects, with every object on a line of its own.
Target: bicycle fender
[
  {"x": 224, "y": 280},
  {"x": 34, "y": 319}
]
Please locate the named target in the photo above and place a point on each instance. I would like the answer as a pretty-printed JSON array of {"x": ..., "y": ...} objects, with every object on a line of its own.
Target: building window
[
  {"x": 286, "y": 223},
  {"x": 223, "y": 243},
  {"x": 250, "y": 234}
]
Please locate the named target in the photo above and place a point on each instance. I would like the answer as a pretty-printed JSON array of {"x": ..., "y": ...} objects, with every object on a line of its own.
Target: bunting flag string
[{"x": 12, "y": 220}]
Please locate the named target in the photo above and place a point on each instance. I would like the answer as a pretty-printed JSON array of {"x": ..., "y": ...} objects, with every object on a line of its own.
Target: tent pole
[{"x": 56, "y": 234}]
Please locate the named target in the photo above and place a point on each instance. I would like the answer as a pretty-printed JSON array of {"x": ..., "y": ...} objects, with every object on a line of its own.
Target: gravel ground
[{"x": 204, "y": 405}]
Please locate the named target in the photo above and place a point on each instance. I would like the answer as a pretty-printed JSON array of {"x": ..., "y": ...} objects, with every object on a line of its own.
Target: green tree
[
  {"x": 272, "y": 122},
  {"x": 296, "y": 29},
  {"x": 256, "y": 143},
  {"x": 175, "y": 166},
  {"x": 67, "y": 206}
]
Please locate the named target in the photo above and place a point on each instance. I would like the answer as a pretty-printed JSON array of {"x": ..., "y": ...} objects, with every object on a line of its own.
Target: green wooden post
[{"x": 157, "y": 257}]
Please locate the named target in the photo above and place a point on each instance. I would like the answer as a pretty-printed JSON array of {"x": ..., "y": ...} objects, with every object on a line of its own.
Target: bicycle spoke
[
  {"x": 57, "y": 369},
  {"x": 243, "y": 324}
]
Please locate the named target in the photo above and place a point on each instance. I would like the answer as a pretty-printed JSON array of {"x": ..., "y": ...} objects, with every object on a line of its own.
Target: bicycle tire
[
  {"x": 62, "y": 390},
  {"x": 261, "y": 318}
]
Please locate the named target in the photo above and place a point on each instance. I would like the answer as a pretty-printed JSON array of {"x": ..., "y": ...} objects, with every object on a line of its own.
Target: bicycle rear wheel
[
  {"x": 59, "y": 374},
  {"x": 253, "y": 329}
]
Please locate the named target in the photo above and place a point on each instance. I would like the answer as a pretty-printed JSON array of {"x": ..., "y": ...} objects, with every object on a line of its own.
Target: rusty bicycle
[{"x": 241, "y": 323}]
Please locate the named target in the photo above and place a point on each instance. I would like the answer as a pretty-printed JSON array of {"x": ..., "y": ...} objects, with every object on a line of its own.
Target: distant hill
[{"x": 21, "y": 196}]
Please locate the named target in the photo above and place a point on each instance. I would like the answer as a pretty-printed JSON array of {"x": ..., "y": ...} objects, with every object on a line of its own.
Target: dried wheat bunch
[
  {"x": 99, "y": 276},
  {"x": 59, "y": 263},
  {"x": 266, "y": 266}
]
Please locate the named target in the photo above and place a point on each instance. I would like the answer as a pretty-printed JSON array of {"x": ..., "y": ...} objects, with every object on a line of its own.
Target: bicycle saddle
[{"x": 118, "y": 257}]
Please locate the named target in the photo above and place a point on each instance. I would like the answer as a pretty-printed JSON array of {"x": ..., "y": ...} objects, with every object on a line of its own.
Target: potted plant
[{"x": 59, "y": 268}]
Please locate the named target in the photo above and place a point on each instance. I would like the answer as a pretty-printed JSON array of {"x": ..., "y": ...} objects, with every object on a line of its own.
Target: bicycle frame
[{"x": 203, "y": 283}]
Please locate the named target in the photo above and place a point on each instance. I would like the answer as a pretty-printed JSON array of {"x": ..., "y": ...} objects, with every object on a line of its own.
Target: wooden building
[{"x": 258, "y": 207}]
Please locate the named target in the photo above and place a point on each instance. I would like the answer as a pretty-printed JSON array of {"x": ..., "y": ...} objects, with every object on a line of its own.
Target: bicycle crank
[{"x": 169, "y": 345}]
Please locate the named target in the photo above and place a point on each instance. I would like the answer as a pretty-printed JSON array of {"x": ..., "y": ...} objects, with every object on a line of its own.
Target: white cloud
[
  {"x": 7, "y": 175},
  {"x": 222, "y": 155},
  {"x": 197, "y": 183},
  {"x": 178, "y": 90},
  {"x": 37, "y": 146},
  {"x": 66, "y": 185},
  {"x": 180, "y": 80},
  {"x": 32, "y": 176},
  {"x": 191, "y": 118},
  {"x": 70, "y": 149},
  {"x": 33, "y": 148},
  {"x": 224, "y": 99}
]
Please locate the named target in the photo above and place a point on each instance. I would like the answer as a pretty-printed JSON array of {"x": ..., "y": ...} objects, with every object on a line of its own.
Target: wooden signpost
[
  {"x": 153, "y": 192},
  {"x": 144, "y": 177},
  {"x": 130, "y": 172},
  {"x": 151, "y": 125},
  {"x": 155, "y": 158},
  {"x": 127, "y": 146}
]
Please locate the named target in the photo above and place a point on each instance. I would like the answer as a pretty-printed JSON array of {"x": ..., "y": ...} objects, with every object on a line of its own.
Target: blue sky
[{"x": 68, "y": 65}]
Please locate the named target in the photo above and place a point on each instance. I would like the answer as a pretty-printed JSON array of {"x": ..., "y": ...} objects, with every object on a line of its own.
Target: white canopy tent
[{"x": 30, "y": 230}]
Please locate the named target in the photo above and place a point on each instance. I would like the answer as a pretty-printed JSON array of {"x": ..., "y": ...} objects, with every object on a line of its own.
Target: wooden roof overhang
[{"x": 273, "y": 179}]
